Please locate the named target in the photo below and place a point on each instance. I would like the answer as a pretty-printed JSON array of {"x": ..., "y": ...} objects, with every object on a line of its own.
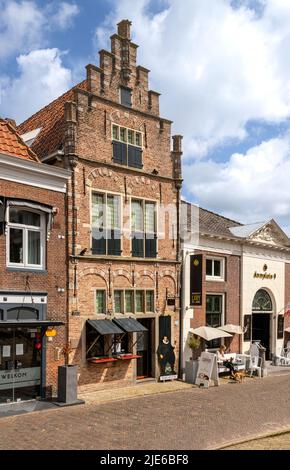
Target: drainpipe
[{"x": 241, "y": 298}]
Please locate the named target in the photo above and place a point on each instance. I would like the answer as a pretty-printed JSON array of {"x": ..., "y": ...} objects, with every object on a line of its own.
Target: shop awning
[
  {"x": 32, "y": 323},
  {"x": 105, "y": 327},
  {"x": 130, "y": 325}
]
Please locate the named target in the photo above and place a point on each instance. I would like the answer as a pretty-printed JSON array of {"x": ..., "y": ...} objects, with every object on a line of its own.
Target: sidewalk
[{"x": 134, "y": 391}]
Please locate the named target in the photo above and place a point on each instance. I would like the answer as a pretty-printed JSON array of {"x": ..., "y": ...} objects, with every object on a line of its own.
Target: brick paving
[{"x": 183, "y": 419}]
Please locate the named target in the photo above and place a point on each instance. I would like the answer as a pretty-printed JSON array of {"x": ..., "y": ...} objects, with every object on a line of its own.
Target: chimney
[{"x": 124, "y": 29}]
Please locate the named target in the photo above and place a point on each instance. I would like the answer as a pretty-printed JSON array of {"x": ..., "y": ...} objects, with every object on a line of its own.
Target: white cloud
[
  {"x": 218, "y": 67},
  {"x": 21, "y": 27},
  {"x": 42, "y": 77},
  {"x": 249, "y": 187},
  {"x": 65, "y": 15},
  {"x": 24, "y": 25}
]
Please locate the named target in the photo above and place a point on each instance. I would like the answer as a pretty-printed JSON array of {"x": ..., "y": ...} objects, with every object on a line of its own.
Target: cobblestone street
[{"x": 184, "y": 419}]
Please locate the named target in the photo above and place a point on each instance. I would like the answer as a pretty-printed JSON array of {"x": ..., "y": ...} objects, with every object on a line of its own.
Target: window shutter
[
  {"x": 114, "y": 242},
  {"x": 248, "y": 327},
  {"x": 150, "y": 246},
  {"x": 135, "y": 157},
  {"x": 138, "y": 245},
  {"x": 280, "y": 327},
  {"x": 98, "y": 242},
  {"x": 120, "y": 153}
]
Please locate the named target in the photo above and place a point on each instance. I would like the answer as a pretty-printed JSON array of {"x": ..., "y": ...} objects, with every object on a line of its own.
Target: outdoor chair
[{"x": 255, "y": 366}]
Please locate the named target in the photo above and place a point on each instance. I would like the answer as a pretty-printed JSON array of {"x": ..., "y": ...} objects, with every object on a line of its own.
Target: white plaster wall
[{"x": 252, "y": 262}]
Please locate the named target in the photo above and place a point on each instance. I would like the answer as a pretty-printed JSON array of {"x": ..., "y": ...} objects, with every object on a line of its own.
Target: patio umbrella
[
  {"x": 234, "y": 329},
  {"x": 208, "y": 333},
  {"x": 287, "y": 330}
]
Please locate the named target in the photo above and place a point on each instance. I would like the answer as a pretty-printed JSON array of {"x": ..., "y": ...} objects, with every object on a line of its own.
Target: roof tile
[{"x": 12, "y": 144}]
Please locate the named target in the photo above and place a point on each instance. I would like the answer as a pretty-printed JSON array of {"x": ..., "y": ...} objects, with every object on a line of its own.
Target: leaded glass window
[{"x": 262, "y": 302}]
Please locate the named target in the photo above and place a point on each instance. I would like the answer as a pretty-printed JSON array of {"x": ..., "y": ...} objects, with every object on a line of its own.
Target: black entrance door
[
  {"x": 261, "y": 330},
  {"x": 144, "y": 349},
  {"x": 20, "y": 363}
]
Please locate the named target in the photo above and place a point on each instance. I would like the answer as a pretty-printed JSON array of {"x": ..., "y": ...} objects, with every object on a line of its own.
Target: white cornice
[{"x": 33, "y": 173}]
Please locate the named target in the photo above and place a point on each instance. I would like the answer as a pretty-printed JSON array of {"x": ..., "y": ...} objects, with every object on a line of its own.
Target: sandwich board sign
[{"x": 207, "y": 370}]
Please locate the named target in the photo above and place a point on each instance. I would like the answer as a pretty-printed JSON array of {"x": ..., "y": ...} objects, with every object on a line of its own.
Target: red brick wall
[
  {"x": 46, "y": 282},
  {"x": 230, "y": 288}
]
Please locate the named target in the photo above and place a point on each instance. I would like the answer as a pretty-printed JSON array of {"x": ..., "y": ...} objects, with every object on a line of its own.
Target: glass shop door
[{"x": 20, "y": 363}]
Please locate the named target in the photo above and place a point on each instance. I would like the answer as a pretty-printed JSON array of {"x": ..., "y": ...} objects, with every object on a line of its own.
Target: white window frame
[
  {"x": 222, "y": 295},
  {"x": 105, "y": 301},
  {"x": 25, "y": 229},
  {"x": 156, "y": 216},
  {"x": 105, "y": 194},
  {"x": 127, "y": 129},
  {"x": 134, "y": 301},
  {"x": 222, "y": 265}
]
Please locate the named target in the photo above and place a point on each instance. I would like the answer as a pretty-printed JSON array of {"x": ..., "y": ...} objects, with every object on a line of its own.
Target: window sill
[
  {"x": 214, "y": 279},
  {"x": 102, "y": 360},
  {"x": 22, "y": 270}
]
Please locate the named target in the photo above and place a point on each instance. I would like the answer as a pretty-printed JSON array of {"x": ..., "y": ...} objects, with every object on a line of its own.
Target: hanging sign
[
  {"x": 196, "y": 280},
  {"x": 207, "y": 370},
  {"x": 50, "y": 332}
]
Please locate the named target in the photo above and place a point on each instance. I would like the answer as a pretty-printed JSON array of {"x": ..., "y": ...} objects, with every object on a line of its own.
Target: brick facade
[
  {"x": 48, "y": 281},
  {"x": 229, "y": 288},
  {"x": 80, "y": 122}
]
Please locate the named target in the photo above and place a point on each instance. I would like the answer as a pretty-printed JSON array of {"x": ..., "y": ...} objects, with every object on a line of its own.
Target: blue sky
[{"x": 222, "y": 67}]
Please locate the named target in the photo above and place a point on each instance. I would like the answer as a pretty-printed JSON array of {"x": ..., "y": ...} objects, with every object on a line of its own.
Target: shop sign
[
  {"x": 18, "y": 378},
  {"x": 207, "y": 370},
  {"x": 264, "y": 274},
  {"x": 51, "y": 332},
  {"x": 196, "y": 280}
]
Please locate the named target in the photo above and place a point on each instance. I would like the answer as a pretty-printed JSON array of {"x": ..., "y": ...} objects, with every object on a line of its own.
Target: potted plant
[
  {"x": 191, "y": 366},
  {"x": 67, "y": 379}
]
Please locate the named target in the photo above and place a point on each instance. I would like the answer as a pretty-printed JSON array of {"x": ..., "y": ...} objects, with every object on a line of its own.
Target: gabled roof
[
  {"x": 246, "y": 231},
  {"x": 12, "y": 144},
  {"x": 50, "y": 120},
  {"x": 210, "y": 223}
]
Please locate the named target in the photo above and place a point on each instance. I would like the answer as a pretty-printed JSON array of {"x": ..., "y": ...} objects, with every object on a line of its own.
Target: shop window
[
  {"x": 143, "y": 229},
  {"x": 214, "y": 269},
  {"x": 25, "y": 238},
  {"x": 22, "y": 313},
  {"x": 127, "y": 146},
  {"x": 100, "y": 301},
  {"x": 95, "y": 344},
  {"x": 126, "y": 97},
  {"x": 106, "y": 224},
  {"x": 214, "y": 312}
]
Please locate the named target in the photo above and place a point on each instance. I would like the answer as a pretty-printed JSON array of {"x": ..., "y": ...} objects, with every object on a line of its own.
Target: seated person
[{"x": 228, "y": 363}]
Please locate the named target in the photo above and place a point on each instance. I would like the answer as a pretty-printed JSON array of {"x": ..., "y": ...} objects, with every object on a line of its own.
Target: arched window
[
  {"x": 262, "y": 302},
  {"x": 22, "y": 313}
]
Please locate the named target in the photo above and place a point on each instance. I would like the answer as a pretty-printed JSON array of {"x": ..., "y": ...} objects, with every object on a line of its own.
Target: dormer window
[{"x": 126, "y": 97}]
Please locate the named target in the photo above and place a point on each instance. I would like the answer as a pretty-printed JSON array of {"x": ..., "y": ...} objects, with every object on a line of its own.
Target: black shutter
[
  {"x": 138, "y": 245},
  {"x": 114, "y": 242},
  {"x": 119, "y": 153},
  {"x": 135, "y": 157},
  {"x": 280, "y": 327},
  {"x": 165, "y": 328},
  {"x": 150, "y": 246},
  {"x": 98, "y": 242},
  {"x": 248, "y": 327}
]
